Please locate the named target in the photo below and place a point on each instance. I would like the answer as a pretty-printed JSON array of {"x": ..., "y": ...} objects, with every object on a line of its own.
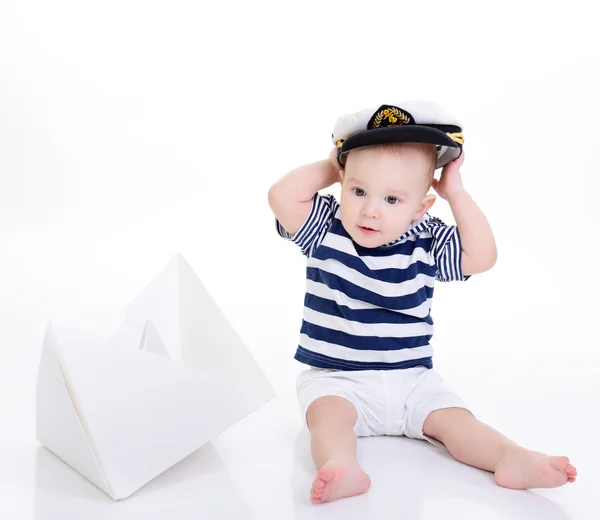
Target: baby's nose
[{"x": 370, "y": 209}]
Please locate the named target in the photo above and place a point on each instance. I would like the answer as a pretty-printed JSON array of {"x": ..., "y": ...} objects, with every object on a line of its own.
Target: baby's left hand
[{"x": 450, "y": 181}]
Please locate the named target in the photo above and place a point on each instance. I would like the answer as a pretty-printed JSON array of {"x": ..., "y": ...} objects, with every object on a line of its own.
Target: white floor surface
[{"x": 261, "y": 467}]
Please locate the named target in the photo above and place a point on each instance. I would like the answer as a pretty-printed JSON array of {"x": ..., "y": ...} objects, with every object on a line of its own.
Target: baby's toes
[
  {"x": 571, "y": 473},
  {"x": 560, "y": 463}
]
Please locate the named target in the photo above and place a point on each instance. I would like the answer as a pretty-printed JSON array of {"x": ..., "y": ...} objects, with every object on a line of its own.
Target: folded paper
[{"x": 122, "y": 410}]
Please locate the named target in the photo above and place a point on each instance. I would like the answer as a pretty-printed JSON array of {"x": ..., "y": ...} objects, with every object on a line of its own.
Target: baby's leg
[
  {"x": 331, "y": 421},
  {"x": 476, "y": 444}
]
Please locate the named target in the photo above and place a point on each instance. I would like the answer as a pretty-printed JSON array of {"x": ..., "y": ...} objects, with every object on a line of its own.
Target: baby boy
[{"x": 372, "y": 260}]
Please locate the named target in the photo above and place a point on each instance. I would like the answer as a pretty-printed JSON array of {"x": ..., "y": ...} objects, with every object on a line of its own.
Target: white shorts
[{"x": 387, "y": 402}]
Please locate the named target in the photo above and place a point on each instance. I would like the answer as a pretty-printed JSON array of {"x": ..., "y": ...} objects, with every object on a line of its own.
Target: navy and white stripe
[
  {"x": 447, "y": 250},
  {"x": 311, "y": 233},
  {"x": 369, "y": 308}
]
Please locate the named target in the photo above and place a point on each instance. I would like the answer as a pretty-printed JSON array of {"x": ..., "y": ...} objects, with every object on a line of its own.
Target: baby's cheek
[{"x": 345, "y": 211}]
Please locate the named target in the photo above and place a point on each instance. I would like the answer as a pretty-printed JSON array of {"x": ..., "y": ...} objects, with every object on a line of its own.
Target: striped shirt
[{"x": 369, "y": 308}]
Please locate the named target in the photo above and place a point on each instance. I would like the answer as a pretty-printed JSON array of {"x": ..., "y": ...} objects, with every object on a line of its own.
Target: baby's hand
[
  {"x": 450, "y": 181},
  {"x": 334, "y": 161}
]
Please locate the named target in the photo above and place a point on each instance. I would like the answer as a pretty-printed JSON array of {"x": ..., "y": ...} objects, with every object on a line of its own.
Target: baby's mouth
[{"x": 368, "y": 230}]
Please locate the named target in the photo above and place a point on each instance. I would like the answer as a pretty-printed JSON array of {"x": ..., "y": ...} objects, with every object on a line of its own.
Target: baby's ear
[
  {"x": 425, "y": 206},
  {"x": 341, "y": 174}
]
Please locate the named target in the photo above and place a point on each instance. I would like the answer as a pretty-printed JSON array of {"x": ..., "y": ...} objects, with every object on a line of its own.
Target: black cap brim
[{"x": 396, "y": 134}]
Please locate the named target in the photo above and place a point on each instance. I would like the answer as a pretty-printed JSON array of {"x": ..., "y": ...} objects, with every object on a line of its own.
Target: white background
[{"x": 131, "y": 130}]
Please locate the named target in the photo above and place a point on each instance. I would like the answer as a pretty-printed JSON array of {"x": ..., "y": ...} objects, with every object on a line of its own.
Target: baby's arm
[
  {"x": 291, "y": 196},
  {"x": 477, "y": 240},
  {"x": 478, "y": 244}
]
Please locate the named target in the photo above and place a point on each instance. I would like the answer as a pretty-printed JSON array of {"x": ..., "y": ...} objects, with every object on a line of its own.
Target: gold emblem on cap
[{"x": 393, "y": 115}]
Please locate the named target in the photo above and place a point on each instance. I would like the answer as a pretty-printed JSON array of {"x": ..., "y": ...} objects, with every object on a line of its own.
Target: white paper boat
[{"x": 122, "y": 410}]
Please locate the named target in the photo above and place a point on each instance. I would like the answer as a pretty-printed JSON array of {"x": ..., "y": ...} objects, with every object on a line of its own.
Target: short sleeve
[
  {"x": 447, "y": 253},
  {"x": 311, "y": 233}
]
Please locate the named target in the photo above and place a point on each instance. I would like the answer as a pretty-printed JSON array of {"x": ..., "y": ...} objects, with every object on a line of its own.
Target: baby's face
[{"x": 382, "y": 192}]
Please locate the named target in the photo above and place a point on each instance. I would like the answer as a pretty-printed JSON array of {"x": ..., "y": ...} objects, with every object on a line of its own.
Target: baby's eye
[
  {"x": 392, "y": 200},
  {"x": 359, "y": 192}
]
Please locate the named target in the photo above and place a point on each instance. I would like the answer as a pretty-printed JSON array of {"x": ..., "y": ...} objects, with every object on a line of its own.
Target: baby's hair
[{"x": 429, "y": 149}]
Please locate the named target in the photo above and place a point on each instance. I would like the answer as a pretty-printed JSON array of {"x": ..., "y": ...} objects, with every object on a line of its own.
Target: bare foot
[
  {"x": 524, "y": 469},
  {"x": 335, "y": 480}
]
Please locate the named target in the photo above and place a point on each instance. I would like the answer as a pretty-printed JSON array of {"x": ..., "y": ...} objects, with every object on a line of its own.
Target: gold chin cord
[{"x": 456, "y": 137}]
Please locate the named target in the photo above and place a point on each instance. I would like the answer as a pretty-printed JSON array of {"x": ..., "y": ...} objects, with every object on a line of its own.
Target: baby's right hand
[{"x": 334, "y": 161}]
